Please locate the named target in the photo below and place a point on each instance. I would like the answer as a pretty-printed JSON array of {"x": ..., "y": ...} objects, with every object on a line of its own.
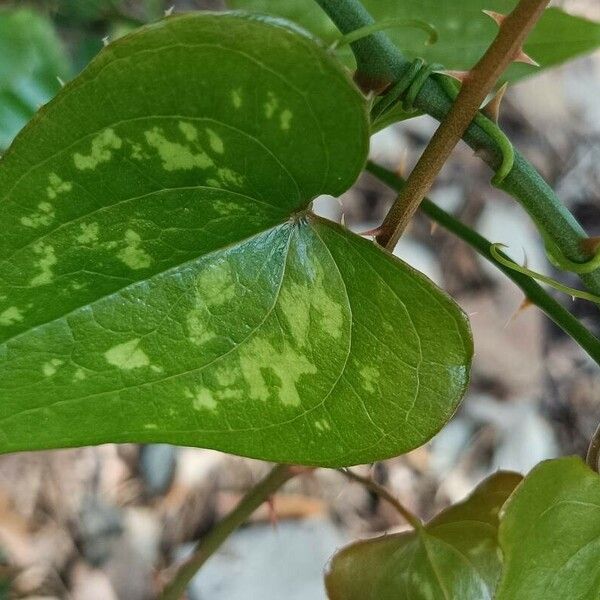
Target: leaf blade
[
  {"x": 550, "y": 534},
  {"x": 173, "y": 287},
  {"x": 454, "y": 556}
]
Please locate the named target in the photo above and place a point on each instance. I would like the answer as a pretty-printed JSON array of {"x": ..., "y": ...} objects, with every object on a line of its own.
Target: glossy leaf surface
[
  {"x": 162, "y": 281},
  {"x": 31, "y": 60},
  {"x": 464, "y": 32},
  {"x": 456, "y": 555},
  {"x": 550, "y": 534}
]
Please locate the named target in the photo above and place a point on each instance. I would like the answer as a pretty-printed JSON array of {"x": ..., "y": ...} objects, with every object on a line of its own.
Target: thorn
[
  {"x": 106, "y": 40},
  {"x": 377, "y": 231},
  {"x": 492, "y": 108},
  {"x": 591, "y": 246},
  {"x": 460, "y": 76},
  {"x": 401, "y": 166},
  {"x": 433, "y": 228},
  {"x": 272, "y": 512},
  {"x": 495, "y": 16},
  {"x": 521, "y": 57},
  {"x": 59, "y": 79},
  {"x": 343, "y": 219},
  {"x": 525, "y": 304},
  {"x": 169, "y": 11},
  {"x": 300, "y": 470}
]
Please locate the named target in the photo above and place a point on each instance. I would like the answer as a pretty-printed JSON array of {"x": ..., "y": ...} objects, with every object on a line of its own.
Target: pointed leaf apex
[
  {"x": 492, "y": 108},
  {"x": 496, "y": 16},
  {"x": 525, "y": 58}
]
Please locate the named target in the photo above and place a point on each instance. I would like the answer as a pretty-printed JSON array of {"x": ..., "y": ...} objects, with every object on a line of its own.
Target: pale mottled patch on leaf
[
  {"x": 133, "y": 254},
  {"x": 10, "y": 316},
  {"x": 45, "y": 264},
  {"x": 41, "y": 218},
  {"x": 101, "y": 150},
  {"x": 176, "y": 156},
  {"x": 127, "y": 356}
]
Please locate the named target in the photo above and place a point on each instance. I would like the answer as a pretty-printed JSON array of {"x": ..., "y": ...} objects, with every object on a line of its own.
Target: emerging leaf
[
  {"x": 456, "y": 555},
  {"x": 550, "y": 534},
  {"x": 162, "y": 280}
]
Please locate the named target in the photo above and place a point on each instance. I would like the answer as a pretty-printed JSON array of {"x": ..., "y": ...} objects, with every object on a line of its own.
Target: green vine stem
[
  {"x": 383, "y": 493},
  {"x": 477, "y": 84},
  {"x": 379, "y": 60},
  {"x": 533, "y": 291},
  {"x": 212, "y": 542}
]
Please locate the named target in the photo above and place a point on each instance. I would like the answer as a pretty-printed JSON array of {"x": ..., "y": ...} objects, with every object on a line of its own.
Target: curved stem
[
  {"x": 379, "y": 59},
  {"x": 382, "y": 492},
  {"x": 557, "y": 285},
  {"x": 533, "y": 291},
  {"x": 384, "y": 24},
  {"x": 212, "y": 542}
]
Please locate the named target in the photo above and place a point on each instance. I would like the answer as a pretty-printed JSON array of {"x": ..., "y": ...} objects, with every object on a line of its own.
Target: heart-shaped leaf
[
  {"x": 162, "y": 280},
  {"x": 456, "y": 555},
  {"x": 550, "y": 534},
  {"x": 464, "y": 32},
  {"x": 31, "y": 61}
]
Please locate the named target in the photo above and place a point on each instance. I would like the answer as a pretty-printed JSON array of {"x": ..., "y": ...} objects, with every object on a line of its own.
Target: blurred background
[{"x": 104, "y": 523}]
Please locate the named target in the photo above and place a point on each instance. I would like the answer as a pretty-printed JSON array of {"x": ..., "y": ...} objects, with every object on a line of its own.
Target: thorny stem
[
  {"x": 478, "y": 83},
  {"x": 380, "y": 60},
  {"x": 211, "y": 543},
  {"x": 382, "y": 492},
  {"x": 532, "y": 290}
]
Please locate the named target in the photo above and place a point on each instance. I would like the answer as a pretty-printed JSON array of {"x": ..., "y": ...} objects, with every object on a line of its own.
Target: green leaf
[
  {"x": 31, "y": 59},
  {"x": 162, "y": 280},
  {"x": 550, "y": 534},
  {"x": 464, "y": 31},
  {"x": 456, "y": 555}
]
